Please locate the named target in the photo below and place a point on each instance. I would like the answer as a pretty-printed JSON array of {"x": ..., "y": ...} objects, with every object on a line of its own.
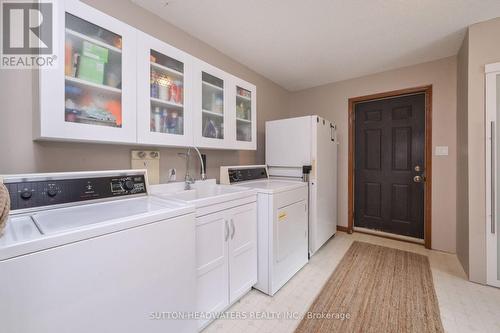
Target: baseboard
[{"x": 342, "y": 228}]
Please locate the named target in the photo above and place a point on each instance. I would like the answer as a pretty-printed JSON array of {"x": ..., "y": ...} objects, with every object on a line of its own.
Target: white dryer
[
  {"x": 93, "y": 252},
  {"x": 282, "y": 210}
]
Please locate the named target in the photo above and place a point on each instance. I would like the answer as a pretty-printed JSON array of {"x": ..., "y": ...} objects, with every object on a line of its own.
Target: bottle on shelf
[
  {"x": 156, "y": 120},
  {"x": 180, "y": 91},
  {"x": 154, "y": 86},
  {"x": 163, "y": 90},
  {"x": 173, "y": 92}
]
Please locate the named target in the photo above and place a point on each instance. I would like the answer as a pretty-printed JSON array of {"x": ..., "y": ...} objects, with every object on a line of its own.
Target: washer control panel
[
  {"x": 237, "y": 175},
  {"x": 43, "y": 191}
]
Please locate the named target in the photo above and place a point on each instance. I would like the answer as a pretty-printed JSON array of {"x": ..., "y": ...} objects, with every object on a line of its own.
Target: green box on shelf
[
  {"x": 95, "y": 52},
  {"x": 91, "y": 70}
]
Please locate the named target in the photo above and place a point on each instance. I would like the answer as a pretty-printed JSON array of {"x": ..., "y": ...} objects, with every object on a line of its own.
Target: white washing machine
[
  {"x": 282, "y": 210},
  {"x": 93, "y": 252}
]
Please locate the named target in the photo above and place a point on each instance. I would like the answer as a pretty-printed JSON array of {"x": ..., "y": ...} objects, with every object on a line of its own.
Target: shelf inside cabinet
[
  {"x": 166, "y": 69},
  {"x": 244, "y": 120},
  {"x": 91, "y": 85},
  {"x": 213, "y": 86},
  {"x": 93, "y": 40},
  {"x": 166, "y": 103},
  {"x": 213, "y": 113},
  {"x": 244, "y": 97}
]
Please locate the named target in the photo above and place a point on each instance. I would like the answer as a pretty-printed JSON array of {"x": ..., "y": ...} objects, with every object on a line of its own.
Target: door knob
[{"x": 419, "y": 179}]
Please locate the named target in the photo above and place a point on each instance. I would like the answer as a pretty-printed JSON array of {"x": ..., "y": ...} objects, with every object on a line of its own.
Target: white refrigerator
[{"x": 311, "y": 141}]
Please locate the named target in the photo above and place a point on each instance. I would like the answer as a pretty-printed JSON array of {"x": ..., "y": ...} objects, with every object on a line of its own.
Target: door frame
[{"x": 427, "y": 90}]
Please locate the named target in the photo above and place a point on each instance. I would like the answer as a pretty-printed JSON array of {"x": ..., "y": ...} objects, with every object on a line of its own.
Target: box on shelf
[
  {"x": 95, "y": 52},
  {"x": 91, "y": 70}
]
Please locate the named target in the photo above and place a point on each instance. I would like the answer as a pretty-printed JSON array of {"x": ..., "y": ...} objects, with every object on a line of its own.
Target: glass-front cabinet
[
  {"x": 225, "y": 110},
  {"x": 164, "y": 93},
  {"x": 91, "y": 94},
  {"x": 211, "y": 107},
  {"x": 492, "y": 173},
  {"x": 245, "y": 114},
  {"x": 116, "y": 84}
]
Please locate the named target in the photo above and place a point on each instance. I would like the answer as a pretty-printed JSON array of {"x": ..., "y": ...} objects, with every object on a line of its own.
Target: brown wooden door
[{"x": 389, "y": 146}]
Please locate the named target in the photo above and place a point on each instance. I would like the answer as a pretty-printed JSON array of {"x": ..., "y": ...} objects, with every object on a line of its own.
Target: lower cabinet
[{"x": 226, "y": 251}]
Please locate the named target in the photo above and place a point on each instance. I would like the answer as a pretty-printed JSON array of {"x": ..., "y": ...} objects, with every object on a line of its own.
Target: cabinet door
[
  {"x": 242, "y": 250},
  {"x": 164, "y": 94},
  {"x": 492, "y": 174},
  {"x": 91, "y": 95},
  {"x": 244, "y": 104},
  {"x": 211, "y": 107},
  {"x": 212, "y": 232}
]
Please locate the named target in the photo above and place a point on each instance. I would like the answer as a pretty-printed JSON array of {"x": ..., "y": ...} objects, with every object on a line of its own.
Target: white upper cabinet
[
  {"x": 91, "y": 95},
  {"x": 115, "y": 84},
  {"x": 243, "y": 99},
  {"x": 211, "y": 107},
  {"x": 225, "y": 112},
  {"x": 164, "y": 93}
]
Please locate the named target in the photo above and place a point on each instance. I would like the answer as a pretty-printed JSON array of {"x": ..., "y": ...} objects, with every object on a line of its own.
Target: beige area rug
[{"x": 378, "y": 289}]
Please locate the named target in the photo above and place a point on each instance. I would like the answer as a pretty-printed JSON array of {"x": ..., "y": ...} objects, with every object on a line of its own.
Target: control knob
[
  {"x": 128, "y": 185},
  {"x": 52, "y": 192},
  {"x": 26, "y": 194}
]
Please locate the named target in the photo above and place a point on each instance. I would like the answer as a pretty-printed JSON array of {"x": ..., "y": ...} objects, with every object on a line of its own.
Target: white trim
[
  {"x": 492, "y": 67},
  {"x": 492, "y": 249}
]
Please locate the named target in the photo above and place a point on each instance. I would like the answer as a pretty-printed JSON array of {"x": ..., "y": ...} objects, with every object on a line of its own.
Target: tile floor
[{"x": 465, "y": 306}]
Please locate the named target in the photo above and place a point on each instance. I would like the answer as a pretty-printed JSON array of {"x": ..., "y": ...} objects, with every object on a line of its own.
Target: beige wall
[
  {"x": 462, "y": 155},
  {"x": 18, "y": 153},
  {"x": 484, "y": 48},
  {"x": 331, "y": 102}
]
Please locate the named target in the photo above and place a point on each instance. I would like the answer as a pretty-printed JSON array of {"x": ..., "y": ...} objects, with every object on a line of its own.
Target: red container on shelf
[{"x": 173, "y": 92}]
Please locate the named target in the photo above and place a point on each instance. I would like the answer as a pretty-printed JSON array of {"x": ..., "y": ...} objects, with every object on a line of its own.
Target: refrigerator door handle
[{"x": 333, "y": 133}]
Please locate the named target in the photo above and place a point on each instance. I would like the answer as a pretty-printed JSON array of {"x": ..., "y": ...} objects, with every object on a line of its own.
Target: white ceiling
[{"x": 302, "y": 44}]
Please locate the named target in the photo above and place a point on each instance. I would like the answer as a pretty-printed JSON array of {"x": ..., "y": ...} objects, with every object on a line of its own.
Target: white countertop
[{"x": 272, "y": 185}]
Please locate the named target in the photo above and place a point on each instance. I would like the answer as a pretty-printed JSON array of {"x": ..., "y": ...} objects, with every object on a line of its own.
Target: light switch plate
[
  {"x": 149, "y": 160},
  {"x": 441, "y": 151}
]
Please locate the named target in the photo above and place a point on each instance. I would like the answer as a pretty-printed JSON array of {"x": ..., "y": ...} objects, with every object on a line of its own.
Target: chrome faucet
[{"x": 188, "y": 180}]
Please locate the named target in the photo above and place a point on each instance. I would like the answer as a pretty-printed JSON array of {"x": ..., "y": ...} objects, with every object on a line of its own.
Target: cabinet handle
[
  {"x": 493, "y": 172},
  {"x": 233, "y": 229},
  {"x": 226, "y": 227}
]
